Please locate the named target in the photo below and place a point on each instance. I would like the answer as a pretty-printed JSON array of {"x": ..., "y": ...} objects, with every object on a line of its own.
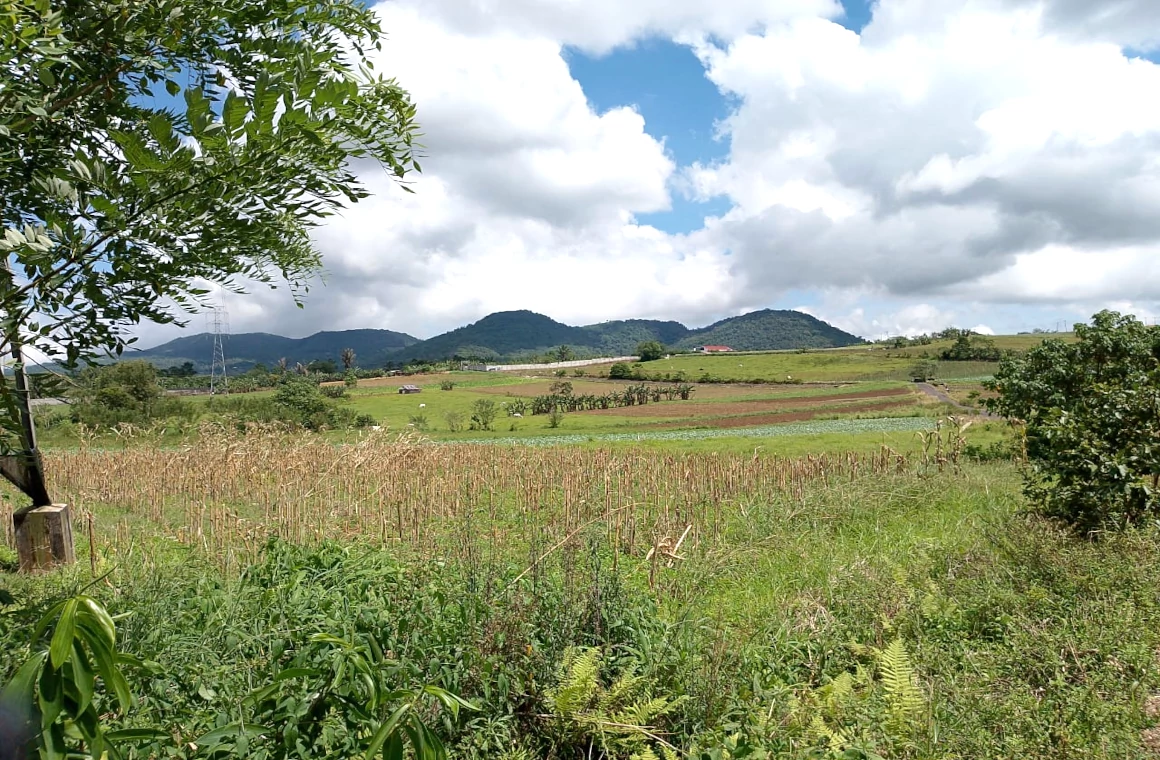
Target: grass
[{"x": 1024, "y": 641}]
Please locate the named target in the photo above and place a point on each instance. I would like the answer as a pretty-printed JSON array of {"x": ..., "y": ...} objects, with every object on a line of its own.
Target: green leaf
[
  {"x": 386, "y": 730},
  {"x": 393, "y": 748},
  {"x": 289, "y": 673},
  {"x": 21, "y": 688},
  {"x": 228, "y": 732},
  {"x": 136, "y": 735},
  {"x": 62, "y": 637},
  {"x": 83, "y": 676},
  {"x": 50, "y": 697}
]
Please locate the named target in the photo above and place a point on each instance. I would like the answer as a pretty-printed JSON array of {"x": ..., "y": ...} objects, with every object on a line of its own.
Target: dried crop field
[{"x": 230, "y": 493}]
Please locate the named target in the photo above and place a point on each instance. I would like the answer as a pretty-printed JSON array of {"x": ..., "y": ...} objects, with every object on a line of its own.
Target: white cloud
[
  {"x": 935, "y": 149},
  {"x": 600, "y": 25},
  {"x": 955, "y": 160}
]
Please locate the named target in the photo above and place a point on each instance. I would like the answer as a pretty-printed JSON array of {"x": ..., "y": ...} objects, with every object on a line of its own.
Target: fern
[
  {"x": 618, "y": 718},
  {"x": 898, "y": 680}
]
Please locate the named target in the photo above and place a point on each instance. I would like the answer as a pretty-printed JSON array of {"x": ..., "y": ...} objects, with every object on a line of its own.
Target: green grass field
[{"x": 1008, "y": 638}]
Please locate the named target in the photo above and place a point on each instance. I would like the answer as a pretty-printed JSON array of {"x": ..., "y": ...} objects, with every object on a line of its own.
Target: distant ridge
[{"x": 510, "y": 335}]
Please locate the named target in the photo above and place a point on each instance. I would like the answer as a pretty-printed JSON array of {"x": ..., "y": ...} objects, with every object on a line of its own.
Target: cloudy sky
[{"x": 892, "y": 167}]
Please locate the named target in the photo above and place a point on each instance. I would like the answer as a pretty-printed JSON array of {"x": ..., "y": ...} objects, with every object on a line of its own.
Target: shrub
[
  {"x": 454, "y": 421},
  {"x": 620, "y": 371},
  {"x": 446, "y": 385},
  {"x": 483, "y": 413},
  {"x": 561, "y": 373},
  {"x": 578, "y": 372},
  {"x": 1090, "y": 426},
  {"x": 334, "y": 391},
  {"x": 419, "y": 422},
  {"x": 350, "y": 379},
  {"x": 555, "y": 417}
]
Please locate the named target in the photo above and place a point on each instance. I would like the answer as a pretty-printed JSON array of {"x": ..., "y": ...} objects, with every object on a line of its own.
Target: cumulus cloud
[{"x": 956, "y": 162}]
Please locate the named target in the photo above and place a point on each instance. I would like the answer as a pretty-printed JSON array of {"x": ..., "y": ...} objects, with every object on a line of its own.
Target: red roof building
[{"x": 712, "y": 349}]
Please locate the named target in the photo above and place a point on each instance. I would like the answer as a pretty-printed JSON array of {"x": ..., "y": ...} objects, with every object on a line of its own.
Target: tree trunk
[{"x": 44, "y": 537}]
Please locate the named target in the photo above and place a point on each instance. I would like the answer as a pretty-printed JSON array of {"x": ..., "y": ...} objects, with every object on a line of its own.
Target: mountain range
[{"x": 506, "y": 335}]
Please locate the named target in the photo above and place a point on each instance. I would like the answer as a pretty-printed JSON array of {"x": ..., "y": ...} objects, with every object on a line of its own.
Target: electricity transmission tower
[{"x": 218, "y": 382}]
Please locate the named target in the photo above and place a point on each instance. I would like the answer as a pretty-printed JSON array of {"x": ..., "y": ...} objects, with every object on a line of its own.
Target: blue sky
[{"x": 666, "y": 83}]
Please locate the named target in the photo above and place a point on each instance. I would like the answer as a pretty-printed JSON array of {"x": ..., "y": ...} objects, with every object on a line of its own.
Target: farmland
[{"x": 778, "y": 569}]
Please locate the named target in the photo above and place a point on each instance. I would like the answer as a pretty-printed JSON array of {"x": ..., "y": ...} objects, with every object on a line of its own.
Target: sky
[{"x": 893, "y": 167}]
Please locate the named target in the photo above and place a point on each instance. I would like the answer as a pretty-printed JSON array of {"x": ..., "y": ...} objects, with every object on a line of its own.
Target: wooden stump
[{"x": 44, "y": 537}]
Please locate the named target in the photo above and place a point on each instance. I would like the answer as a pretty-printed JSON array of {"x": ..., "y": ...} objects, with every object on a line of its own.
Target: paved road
[{"x": 943, "y": 396}]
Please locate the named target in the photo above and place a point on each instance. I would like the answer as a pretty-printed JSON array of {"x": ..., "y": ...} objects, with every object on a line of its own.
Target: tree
[
  {"x": 119, "y": 207},
  {"x": 620, "y": 371},
  {"x": 122, "y": 392},
  {"x": 322, "y": 367},
  {"x": 650, "y": 350},
  {"x": 564, "y": 354},
  {"x": 1091, "y": 417},
  {"x": 348, "y": 357}
]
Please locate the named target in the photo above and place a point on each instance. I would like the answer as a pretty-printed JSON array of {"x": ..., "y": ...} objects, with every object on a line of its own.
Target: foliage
[
  {"x": 619, "y": 371},
  {"x": 618, "y": 718},
  {"x": 334, "y": 391},
  {"x": 857, "y": 713},
  {"x": 350, "y": 379},
  {"x": 56, "y": 688},
  {"x": 125, "y": 392},
  {"x": 971, "y": 348},
  {"x": 561, "y": 397},
  {"x": 454, "y": 419},
  {"x": 1090, "y": 412},
  {"x": 119, "y": 207},
  {"x": 446, "y": 385},
  {"x": 555, "y": 417},
  {"x": 483, "y": 413},
  {"x": 419, "y": 422},
  {"x": 650, "y": 350},
  {"x": 300, "y": 401}
]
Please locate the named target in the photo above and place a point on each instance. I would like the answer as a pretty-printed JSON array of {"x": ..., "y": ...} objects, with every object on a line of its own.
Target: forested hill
[
  {"x": 505, "y": 335},
  {"x": 244, "y": 350},
  {"x": 769, "y": 330},
  {"x": 513, "y": 334}
]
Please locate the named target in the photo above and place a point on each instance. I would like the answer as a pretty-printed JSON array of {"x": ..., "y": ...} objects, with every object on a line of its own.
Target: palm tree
[{"x": 348, "y": 357}]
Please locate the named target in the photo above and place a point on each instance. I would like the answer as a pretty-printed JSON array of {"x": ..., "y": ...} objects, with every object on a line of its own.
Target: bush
[
  {"x": 483, "y": 413},
  {"x": 419, "y": 422},
  {"x": 1090, "y": 425},
  {"x": 446, "y": 385},
  {"x": 620, "y": 371},
  {"x": 334, "y": 391},
  {"x": 454, "y": 421},
  {"x": 555, "y": 417}
]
